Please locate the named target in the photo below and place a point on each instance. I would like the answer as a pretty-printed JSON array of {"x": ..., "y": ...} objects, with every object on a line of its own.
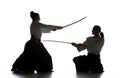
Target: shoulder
[
  {"x": 37, "y": 24},
  {"x": 90, "y": 37}
]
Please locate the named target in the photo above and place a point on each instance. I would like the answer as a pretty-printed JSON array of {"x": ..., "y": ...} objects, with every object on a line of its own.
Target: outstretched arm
[
  {"x": 47, "y": 28},
  {"x": 56, "y": 28},
  {"x": 79, "y": 47}
]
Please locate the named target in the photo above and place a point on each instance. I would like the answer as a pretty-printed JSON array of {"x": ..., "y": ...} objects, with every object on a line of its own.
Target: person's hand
[
  {"x": 74, "y": 44},
  {"x": 57, "y": 27}
]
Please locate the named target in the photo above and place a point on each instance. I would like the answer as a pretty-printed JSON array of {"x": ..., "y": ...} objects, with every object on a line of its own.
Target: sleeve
[
  {"x": 44, "y": 30},
  {"x": 47, "y": 28},
  {"x": 81, "y": 47}
]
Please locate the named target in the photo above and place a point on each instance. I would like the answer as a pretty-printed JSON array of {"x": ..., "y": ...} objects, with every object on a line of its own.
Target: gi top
[
  {"x": 36, "y": 29},
  {"x": 94, "y": 44}
]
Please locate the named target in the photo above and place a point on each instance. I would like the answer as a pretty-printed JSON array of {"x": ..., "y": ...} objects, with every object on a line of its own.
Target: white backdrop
[{"x": 15, "y": 22}]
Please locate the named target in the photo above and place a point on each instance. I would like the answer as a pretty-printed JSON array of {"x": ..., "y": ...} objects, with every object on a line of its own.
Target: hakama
[
  {"x": 34, "y": 57},
  {"x": 89, "y": 63}
]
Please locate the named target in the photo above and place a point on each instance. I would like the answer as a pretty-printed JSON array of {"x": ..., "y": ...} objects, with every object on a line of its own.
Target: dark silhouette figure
[
  {"x": 35, "y": 56},
  {"x": 90, "y": 62}
]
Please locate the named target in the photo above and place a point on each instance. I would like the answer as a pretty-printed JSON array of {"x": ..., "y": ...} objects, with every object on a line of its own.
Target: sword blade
[
  {"x": 58, "y": 41},
  {"x": 74, "y": 22}
]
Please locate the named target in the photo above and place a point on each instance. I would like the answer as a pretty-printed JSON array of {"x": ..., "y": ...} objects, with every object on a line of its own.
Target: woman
[
  {"x": 35, "y": 56},
  {"x": 93, "y": 44}
]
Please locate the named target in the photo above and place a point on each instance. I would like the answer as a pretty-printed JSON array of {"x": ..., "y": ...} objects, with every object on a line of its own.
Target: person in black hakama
[
  {"x": 90, "y": 62},
  {"x": 35, "y": 56}
]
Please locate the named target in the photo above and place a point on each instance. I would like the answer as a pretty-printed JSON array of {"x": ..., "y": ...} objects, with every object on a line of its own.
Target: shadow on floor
[
  {"x": 32, "y": 75},
  {"x": 88, "y": 75}
]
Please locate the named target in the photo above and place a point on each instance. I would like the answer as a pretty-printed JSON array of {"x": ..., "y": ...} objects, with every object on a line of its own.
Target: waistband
[
  {"x": 93, "y": 55},
  {"x": 35, "y": 40}
]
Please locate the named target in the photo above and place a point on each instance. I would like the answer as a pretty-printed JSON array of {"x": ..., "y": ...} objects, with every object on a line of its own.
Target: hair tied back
[{"x": 32, "y": 12}]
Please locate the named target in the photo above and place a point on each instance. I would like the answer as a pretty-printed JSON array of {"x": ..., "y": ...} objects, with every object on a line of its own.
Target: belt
[{"x": 34, "y": 39}]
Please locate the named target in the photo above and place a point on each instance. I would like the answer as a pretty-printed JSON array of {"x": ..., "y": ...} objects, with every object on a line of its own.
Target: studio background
[{"x": 15, "y": 31}]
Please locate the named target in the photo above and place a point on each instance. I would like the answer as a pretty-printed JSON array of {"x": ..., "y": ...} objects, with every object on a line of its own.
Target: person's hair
[
  {"x": 98, "y": 28},
  {"x": 101, "y": 34},
  {"x": 33, "y": 15}
]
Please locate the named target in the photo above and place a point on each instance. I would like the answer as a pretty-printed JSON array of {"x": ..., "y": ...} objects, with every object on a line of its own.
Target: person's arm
[
  {"x": 54, "y": 27},
  {"x": 47, "y": 28},
  {"x": 79, "y": 46}
]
